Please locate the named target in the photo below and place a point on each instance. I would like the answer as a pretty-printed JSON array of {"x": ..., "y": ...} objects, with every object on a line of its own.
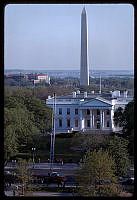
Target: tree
[
  {"x": 42, "y": 113},
  {"x": 126, "y": 120},
  {"x": 94, "y": 141},
  {"x": 128, "y": 123},
  {"x": 24, "y": 174},
  {"x": 10, "y": 139},
  {"x": 35, "y": 107},
  {"x": 18, "y": 127},
  {"x": 98, "y": 168},
  {"x": 117, "y": 147},
  {"x": 118, "y": 116}
]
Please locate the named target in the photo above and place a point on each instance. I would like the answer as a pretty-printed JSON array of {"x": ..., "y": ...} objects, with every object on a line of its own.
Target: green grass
[{"x": 62, "y": 148}]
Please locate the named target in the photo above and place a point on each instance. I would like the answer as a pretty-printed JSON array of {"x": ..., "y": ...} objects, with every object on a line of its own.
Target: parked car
[
  {"x": 126, "y": 181},
  {"x": 56, "y": 177},
  {"x": 7, "y": 172},
  {"x": 53, "y": 177}
]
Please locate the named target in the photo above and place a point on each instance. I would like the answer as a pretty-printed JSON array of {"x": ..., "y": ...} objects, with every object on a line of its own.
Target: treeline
[
  {"x": 25, "y": 118},
  {"x": 112, "y": 83},
  {"x": 41, "y": 92}
]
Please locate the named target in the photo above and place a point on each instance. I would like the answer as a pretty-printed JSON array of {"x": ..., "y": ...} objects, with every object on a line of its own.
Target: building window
[
  {"x": 98, "y": 112},
  {"x": 76, "y": 123},
  {"x": 60, "y": 111},
  {"x": 68, "y": 111},
  {"x": 107, "y": 123},
  {"x": 108, "y": 112},
  {"x": 88, "y": 112},
  {"x": 60, "y": 122},
  {"x": 68, "y": 122},
  {"x": 88, "y": 123},
  {"x": 76, "y": 111}
]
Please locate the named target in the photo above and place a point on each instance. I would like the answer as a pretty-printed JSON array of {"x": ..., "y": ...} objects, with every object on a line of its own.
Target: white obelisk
[{"x": 84, "y": 68}]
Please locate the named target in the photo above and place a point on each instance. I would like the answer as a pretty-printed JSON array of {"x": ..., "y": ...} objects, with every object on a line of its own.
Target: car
[
  {"x": 7, "y": 172},
  {"x": 56, "y": 177},
  {"x": 126, "y": 181},
  {"x": 123, "y": 179},
  {"x": 107, "y": 181}
]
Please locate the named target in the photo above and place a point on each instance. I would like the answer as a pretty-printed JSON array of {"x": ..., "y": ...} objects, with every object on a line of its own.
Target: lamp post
[{"x": 33, "y": 151}]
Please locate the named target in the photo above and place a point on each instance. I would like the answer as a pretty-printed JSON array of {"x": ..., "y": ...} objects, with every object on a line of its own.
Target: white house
[{"x": 87, "y": 113}]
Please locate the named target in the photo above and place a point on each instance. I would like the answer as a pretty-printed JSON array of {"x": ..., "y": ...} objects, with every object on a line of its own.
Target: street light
[{"x": 33, "y": 151}]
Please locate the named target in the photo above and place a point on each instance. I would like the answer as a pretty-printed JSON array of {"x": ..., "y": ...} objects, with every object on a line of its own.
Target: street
[{"x": 67, "y": 169}]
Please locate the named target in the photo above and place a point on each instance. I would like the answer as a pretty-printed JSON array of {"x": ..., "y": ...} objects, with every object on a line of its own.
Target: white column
[
  {"x": 80, "y": 120},
  {"x": 90, "y": 119},
  {"x": 100, "y": 119},
  {"x": 103, "y": 120},
  {"x": 110, "y": 121}
]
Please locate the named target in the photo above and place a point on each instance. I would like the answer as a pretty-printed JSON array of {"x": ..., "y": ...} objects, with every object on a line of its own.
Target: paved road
[
  {"x": 10, "y": 193},
  {"x": 66, "y": 169},
  {"x": 72, "y": 166},
  {"x": 51, "y": 194}
]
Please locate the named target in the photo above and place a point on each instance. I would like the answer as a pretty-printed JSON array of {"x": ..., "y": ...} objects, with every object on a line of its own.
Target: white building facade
[{"x": 86, "y": 113}]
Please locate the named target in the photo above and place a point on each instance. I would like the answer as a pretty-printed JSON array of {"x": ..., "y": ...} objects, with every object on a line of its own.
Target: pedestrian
[
  {"x": 42, "y": 180},
  {"x": 63, "y": 183},
  {"x": 39, "y": 160},
  {"x": 14, "y": 192},
  {"x": 17, "y": 189},
  {"x": 58, "y": 183},
  {"x": 48, "y": 181},
  {"x": 62, "y": 162}
]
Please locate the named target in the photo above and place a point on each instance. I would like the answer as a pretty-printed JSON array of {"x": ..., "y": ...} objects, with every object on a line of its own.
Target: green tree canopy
[
  {"x": 98, "y": 166},
  {"x": 18, "y": 127},
  {"x": 24, "y": 118},
  {"x": 117, "y": 148},
  {"x": 126, "y": 120}
]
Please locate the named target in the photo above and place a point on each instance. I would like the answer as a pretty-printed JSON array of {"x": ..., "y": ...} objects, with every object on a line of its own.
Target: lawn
[
  {"x": 62, "y": 150},
  {"x": 63, "y": 144}
]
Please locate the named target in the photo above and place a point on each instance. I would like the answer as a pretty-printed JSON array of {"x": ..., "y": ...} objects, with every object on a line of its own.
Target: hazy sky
[{"x": 47, "y": 36}]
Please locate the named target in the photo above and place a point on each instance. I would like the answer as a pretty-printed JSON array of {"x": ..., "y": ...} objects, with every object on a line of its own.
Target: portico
[
  {"x": 92, "y": 119},
  {"x": 95, "y": 114}
]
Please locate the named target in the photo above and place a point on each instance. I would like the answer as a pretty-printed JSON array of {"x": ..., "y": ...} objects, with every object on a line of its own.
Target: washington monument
[{"x": 84, "y": 68}]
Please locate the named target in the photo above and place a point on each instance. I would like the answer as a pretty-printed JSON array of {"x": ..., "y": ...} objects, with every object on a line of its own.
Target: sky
[{"x": 48, "y": 36}]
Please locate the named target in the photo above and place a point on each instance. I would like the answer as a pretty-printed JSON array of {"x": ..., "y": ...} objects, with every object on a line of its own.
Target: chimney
[
  {"x": 74, "y": 94},
  {"x": 125, "y": 94},
  {"x": 85, "y": 94}
]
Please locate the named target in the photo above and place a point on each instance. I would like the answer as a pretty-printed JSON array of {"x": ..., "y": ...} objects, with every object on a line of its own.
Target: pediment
[{"x": 96, "y": 102}]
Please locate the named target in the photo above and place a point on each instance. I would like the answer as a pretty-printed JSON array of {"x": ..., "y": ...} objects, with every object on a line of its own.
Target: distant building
[
  {"x": 14, "y": 75},
  {"x": 87, "y": 113},
  {"x": 37, "y": 78}
]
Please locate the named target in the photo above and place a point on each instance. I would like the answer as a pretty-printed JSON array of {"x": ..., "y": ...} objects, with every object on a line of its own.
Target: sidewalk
[
  {"x": 47, "y": 166},
  {"x": 49, "y": 194},
  {"x": 10, "y": 193}
]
